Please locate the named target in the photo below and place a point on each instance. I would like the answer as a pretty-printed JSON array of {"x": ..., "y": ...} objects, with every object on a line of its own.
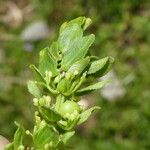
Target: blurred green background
[{"x": 122, "y": 29}]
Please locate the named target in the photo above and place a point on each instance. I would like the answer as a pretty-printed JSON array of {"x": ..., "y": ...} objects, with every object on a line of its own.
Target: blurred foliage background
[{"x": 122, "y": 29}]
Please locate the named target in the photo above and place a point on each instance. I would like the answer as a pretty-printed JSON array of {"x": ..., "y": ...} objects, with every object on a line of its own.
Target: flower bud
[
  {"x": 35, "y": 101},
  {"x": 47, "y": 100},
  {"x": 21, "y": 147}
]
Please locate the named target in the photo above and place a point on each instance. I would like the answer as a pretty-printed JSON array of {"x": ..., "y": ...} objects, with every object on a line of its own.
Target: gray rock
[
  {"x": 114, "y": 90},
  {"x": 35, "y": 31}
]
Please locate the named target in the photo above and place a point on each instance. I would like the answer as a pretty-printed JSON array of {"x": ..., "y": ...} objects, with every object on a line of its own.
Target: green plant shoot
[{"x": 63, "y": 70}]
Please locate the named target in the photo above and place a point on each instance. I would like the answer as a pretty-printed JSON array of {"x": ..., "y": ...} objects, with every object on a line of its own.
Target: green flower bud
[
  {"x": 21, "y": 147},
  {"x": 42, "y": 124},
  {"x": 35, "y": 101},
  {"x": 47, "y": 100},
  {"x": 69, "y": 107},
  {"x": 46, "y": 147}
]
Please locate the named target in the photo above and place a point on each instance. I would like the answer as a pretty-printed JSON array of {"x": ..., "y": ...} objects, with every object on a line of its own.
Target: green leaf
[
  {"x": 45, "y": 135},
  {"x": 93, "y": 58},
  {"x": 70, "y": 124},
  {"x": 77, "y": 50},
  {"x": 62, "y": 146},
  {"x": 79, "y": 21},
  {"x": 39, "y": 76},
  {"x": 72, "y": 30},
  {"x": 64, "y": 85},
  {"x": 87, "y": 23},
  {"x": 99, "y": 67},
  {"x": 47, "y": 63},
  {"x": 33, "y": 89},
  {"x": 18, "y": 137},
  {"x": 79, "y": 66},
  {"x": 86, "y": 114},
  {"x": 91, "y": 88},
  {"x": 50, "y": 114},
  {"x": 54, "y": 51},
  {"x": 66, "y": 136},
  {"x": 82, "y": 21},
  {"x": 68, "y": 35},
  {"x": 59, "y": 102}
]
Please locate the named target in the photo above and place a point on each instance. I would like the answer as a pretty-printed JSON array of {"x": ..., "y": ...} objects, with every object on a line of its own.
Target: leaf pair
[
  {"x": 97, "y": 69},
  {"x": 72, "y": 43}
]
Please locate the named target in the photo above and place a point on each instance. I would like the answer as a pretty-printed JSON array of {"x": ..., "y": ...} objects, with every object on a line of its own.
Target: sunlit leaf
[
  {"x": 100, "y": 67},
  {"x": 79, "y": 66},
  {"x": 18, "y": 137},
  {"x": 54, "y": 51},
  {"x": 37, "y": 73},
  {"x": 50, "y": 114},
  {"x": 45, "y": 135},
  {"x": 91, "y": 88},
  {"x": 66, "y": 136},
  {"x": 68, "y": 35},
  {"x": 33, "y": 89},
  {"x": 47, "y": 63},
  {"x": 77, "y": 50},
  {"x": 86, "y": 114}
]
